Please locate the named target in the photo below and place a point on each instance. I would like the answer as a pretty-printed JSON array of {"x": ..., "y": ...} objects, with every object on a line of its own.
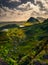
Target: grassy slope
[{"x": 25, "y": 46}]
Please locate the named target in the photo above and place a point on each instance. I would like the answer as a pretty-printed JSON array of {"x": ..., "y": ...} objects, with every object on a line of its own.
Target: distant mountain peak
[
  {"x": 46, "y": 20},
  {"x": 41, "y": 19},
  {"x": 32, "y": 19}
]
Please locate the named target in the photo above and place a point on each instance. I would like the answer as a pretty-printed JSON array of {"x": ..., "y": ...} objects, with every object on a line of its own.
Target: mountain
[
  {"x": 32, "y": 20},
  {"x": 41, "y": 19},
  {"x": 46, "y": 20}
]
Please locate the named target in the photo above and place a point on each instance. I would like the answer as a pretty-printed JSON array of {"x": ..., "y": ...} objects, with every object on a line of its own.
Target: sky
[{"x": 21, "y": 10}]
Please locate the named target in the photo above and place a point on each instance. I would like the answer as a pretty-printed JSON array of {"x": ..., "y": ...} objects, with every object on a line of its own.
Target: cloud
[
  {"x": 15, "y": 0},
  {"x": 44, "y": 3},
  {"x": 18, "y": 10},
  {"x": 39, "y": 6},
  {"x": 10, "y": 3},
  {"x": 28, "y": 6}
]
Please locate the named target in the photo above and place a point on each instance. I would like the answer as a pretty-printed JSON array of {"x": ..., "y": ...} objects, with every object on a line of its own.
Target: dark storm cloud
[
  {"x": 12, "y": 4},
  {"x": 7, "y": 3},
  {"x": 24, "y": 1}
]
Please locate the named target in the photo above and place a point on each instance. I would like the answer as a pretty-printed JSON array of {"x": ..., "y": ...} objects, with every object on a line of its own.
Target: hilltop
[{"x": 32, "y": 20}]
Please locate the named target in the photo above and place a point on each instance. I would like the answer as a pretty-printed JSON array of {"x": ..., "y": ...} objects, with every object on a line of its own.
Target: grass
[{"x": 23, "y": 46}]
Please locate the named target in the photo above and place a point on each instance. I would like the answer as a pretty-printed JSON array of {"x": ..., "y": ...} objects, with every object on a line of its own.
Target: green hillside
[{"x": 25, "y": 45}]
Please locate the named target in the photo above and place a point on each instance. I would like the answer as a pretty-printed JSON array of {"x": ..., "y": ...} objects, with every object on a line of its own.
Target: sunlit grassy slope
[{"x": 25, "y": 46}]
